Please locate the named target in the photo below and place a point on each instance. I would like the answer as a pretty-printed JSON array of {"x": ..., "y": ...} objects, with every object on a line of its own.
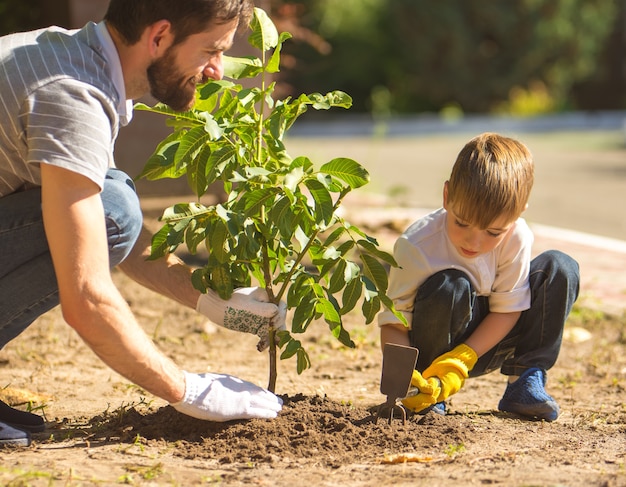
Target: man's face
[{"x": 173, "y": 77}]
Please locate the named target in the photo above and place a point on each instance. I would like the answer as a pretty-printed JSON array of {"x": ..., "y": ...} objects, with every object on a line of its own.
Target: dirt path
[{"x": 104, "y": 431}]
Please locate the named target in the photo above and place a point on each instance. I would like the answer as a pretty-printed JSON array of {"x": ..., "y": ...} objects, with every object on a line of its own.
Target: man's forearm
[
  {"x": 109, "y": 328},
  {"x": 168, "y": 276}
]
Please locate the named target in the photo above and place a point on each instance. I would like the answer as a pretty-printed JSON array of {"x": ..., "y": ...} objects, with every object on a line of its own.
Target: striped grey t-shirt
[{"x": 58, "y": 105}]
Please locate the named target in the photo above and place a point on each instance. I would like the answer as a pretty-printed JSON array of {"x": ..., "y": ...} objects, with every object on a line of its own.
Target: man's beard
[{"x": 168, "y": 85}]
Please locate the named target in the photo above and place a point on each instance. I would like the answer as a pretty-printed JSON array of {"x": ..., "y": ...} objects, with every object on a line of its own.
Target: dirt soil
[{"x": 102, "y": 430}]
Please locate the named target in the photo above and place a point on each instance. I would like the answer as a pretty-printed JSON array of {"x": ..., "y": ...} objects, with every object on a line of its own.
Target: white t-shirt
[{"x": 425, "y": 249}]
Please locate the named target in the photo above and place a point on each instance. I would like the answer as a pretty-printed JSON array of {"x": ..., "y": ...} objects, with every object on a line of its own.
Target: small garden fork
[{"x": 398, "y": 365}]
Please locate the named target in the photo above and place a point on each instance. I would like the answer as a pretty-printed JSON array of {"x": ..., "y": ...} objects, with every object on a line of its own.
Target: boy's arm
[
  {"x": 453, "y": 367},
  {"x": 491, "y": 331},
  {"x": 394, "y": 333}
]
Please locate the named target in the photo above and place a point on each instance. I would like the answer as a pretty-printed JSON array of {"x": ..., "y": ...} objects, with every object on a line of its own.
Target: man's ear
[
  {"x": 445, "y": 195},
  {"x": 159, "y": 37}
]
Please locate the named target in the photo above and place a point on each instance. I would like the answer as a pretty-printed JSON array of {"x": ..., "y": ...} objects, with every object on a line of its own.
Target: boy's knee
[
  {"x": 558, "y": 263},
  {"x": 446, "y": 282}
]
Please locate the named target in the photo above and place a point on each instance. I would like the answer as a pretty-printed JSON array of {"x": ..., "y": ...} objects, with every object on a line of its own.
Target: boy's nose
[{"x": 473, "y": 240}]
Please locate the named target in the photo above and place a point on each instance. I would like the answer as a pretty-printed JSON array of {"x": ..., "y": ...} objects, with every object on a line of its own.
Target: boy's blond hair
[{"x": 491, "y": 178}]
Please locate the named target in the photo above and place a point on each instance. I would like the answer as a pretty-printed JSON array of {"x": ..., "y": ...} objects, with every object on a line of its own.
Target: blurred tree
[
  {"x": 17, "y": 15},
  {"x": 606, "y": 88},
  {"x": 475, "y": 55}
]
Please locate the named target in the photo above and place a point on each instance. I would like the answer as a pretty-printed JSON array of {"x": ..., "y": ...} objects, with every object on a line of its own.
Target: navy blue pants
[
  {"x": 28, "y": 285},
  {"x": 447, "y": 311}
]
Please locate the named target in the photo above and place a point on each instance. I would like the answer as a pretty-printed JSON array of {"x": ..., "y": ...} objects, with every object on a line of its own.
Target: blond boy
[{"x": 474, "y": 299}]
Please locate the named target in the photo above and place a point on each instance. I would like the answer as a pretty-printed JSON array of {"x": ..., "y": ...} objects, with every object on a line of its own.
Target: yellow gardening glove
[
  {"x": 452, "y": 368},
  {"x": 428, "y": 391}
]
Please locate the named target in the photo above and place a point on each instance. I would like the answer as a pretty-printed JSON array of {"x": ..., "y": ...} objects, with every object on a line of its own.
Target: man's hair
[
  {"x": 131, "y": 17},
  {"x": 491, "y": 178}
]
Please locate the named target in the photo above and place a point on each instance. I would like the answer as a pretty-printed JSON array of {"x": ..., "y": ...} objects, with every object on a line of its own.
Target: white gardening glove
[
  {"x": 220, "y": 397},
  {"x": 247, "y": 310}
]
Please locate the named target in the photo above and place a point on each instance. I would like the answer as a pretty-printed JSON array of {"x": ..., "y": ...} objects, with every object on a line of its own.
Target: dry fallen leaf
[
  {"x": 16, "y": 397},
  {"x": 409, "y": 457}
]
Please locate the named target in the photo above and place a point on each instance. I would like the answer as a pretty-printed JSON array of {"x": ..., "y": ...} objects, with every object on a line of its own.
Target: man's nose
[{"x": 215, "y": 68}]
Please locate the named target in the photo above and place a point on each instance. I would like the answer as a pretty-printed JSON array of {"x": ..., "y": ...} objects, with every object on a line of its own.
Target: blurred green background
[
  {"x": 426, "y": 75},
  {"x": 521, "y": 57}
]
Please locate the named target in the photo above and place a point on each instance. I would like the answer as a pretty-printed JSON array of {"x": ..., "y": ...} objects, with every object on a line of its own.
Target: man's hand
[
  {"x": 452, "y": 368},
  {"x": 220, "y": 397},
  {"x": 247, "y": 310},
  {"x": 428, "y": 392}
]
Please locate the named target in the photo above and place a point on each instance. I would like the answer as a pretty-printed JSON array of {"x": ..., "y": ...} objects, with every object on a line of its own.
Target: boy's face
[{"x": 469, "y": 240}]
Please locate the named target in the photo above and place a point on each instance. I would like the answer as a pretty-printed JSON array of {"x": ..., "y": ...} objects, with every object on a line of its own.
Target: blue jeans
[
  {"x": 447, "y": 311},
  {"x": 28, "y": 285}
]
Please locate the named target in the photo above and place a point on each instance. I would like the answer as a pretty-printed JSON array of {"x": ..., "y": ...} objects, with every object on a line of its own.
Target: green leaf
[
  {"x": 351, "y": 295},
  {"x": 254, "y": 201},
  {"x": 264, "y": 34},
  {"x": 375, "y": 270},
  {"x": 183, "y": 211},
  {"x": 159, "y": 247},
  {"x": 283, "y": 337},
  {"x": 389, "y": 304},
  {"x": 370, "y": 309},
  {"x": 303, "y": 360},
  {"x": 339, "y": 99},
  {"x": 218, "y": 160},
  {"x": 242, "y": 67},
  {"x": 352, "y": 271},
  {"x": 348, "y": 170},
  {"x": 334, "y": 236},
  {"x": 198, "y": 280},
  {"x": 303, "y": 314},
  {"x": 215, "y": 87},
  {"x": 291, "y": 349},
  {"x": 221, "y": 281},
  {"x": 323, "y": 201},
  {"x": 330, "y": 312},
  {"x": 190, "y": 144},
  {"x": 161, "y": 164},
  {"x": 374, "y": 250},
  {"x": 273, "y": 66},
  {"x": 218, "y": 237},
  {"x": 283, "y": 217},
  {"x": 293, "y": 178},
  {"x": 338, "y": 279}
]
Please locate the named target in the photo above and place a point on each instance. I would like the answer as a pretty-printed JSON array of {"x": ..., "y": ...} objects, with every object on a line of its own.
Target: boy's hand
[
  {"x": 452, "y": 368},
  {"x": 429, "y": 391}
]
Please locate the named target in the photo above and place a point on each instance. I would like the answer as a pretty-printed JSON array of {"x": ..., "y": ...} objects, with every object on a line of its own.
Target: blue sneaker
[
  {"x": 10, "y": 436},
  {"x": 438, "y": 408},
  {"x": 527, "y": 397},
  {"x": 21, "y": 419}
]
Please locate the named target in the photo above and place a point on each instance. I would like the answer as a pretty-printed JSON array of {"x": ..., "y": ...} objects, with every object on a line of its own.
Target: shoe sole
[
  {"x": 15, "y": 442},
  {"x": 27, "y": 427},
  {"x": 547, "y": 411}
]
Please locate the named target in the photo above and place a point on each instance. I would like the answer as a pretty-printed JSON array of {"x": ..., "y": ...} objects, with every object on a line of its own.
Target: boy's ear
[{"x": 445, "y": 195}]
